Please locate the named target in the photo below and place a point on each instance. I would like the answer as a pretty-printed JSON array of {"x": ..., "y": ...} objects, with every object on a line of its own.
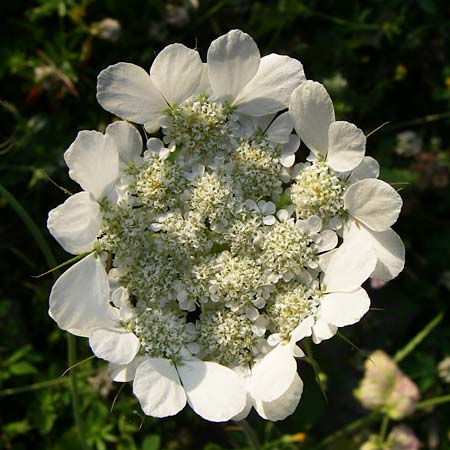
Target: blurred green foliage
[{"x": 381, "y": 62}]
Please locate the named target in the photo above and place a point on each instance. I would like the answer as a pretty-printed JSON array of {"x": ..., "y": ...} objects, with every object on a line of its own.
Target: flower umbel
[{"x": 212, "y": 254}]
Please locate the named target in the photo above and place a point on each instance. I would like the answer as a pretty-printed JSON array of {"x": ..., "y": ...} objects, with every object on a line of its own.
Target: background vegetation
[{"x": 381, "y": 61}]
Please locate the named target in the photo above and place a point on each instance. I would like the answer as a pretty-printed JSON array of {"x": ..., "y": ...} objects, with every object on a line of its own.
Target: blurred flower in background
[
  {"x": 400, "y": 438},
  {"x": 385, "y": 388},
  {"x": 409, "y": 143},
  {"x": 107, "y": 29},
  {"x": 443, "y": 369}
]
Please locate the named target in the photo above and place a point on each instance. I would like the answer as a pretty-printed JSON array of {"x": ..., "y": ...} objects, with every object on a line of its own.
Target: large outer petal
[
  {"x": 388, "y": 248},
  {"x": 127, "y": 90},
  {"x": 347, "y": 145},
  {"x": 351, "y": 265},
  {"x": 233, "y": 60},
  {"x": 176, "y": 72},
  {"x": 272, "y": 376},
  {"x": 322, "y": 330},
  {"x": 271, "y": 88},
  {"x": 75, "y": 223},
  {"x": 214, "y": 392},
  {"x": 93, "y": 163},
  {"x": 344, "y": 308},
  {"x": 283, "y": 406},
  {"x": 374, "y": 203},
  {"x": 79, "y": 298},
  {"x": 124, "y": 372},
  {"x": 280, "y": 129},
  {"x": 367, "y": 168},
  {"x": 114, "y": 345},
  {"x": 157, "y": 386},
  {"x": 127, "y": 140},
  {"x": 312, "y": 113}
]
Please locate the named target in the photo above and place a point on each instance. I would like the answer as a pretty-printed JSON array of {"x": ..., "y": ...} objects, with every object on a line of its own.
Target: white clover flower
[{"x": 211, "y": 254}]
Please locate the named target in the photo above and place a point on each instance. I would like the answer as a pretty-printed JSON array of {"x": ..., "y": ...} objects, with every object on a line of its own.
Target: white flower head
[{"x": 211, "y": 254}]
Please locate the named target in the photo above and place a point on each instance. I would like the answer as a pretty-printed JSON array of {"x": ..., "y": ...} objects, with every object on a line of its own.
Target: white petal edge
[
  {"x": 283, "y": 406},
  {"x": 233, "y": 60},
  {"x": 214, "y": 392},
  {"x": 374, "y": 203},
  {"x": 273, "y": 375},
  {"x": 176, "y": 72},
  {"x": 303, "y": 330},
  {"x": 280, "y": 129},
  {"x": 367, "y": 168},
  {"x": 158, "y": 388},
  {"x": 388, "y": 248},
  {"x": 351, "y": 265},
  {"x": 127, "y": 91},
  {"x": 123, "y": 373},
  {"x": 271, "y": 88},
  {"x": 312, "y": 113},
  {"x": 79, "y": 298},
  {"x": 93, "y": 163},
  {"x": 127, "y": 140},
  {"x": 114, "y": 345},
  {"x": 323, "y": 331},
  {"x": 328, "y": 241},
  {"x": 75, "y": 223},
  {"x": 344, "y": 308},
  {"x": 347, "y": 145}
]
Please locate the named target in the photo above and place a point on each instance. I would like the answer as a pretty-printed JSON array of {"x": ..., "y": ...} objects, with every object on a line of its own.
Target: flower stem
[
  {"x": 383, "y": 428},
  {"x": 72, "y": 360},
  {"x": 350, "y": 428},
  {"x": 418, "y": 338},
  {"x": 433, "y": 401},
  {"x": 251, "y": 435}
]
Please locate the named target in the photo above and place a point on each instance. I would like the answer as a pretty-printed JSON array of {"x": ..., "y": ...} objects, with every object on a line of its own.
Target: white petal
[
  {"x": 114, "y": 345},
  {"x": 127, "y": 140},
  {"x": 312, "y": 113},
  {"x": 323, "y": 331},
  {"x": 292, "y": 146},
  {"x": 287, "y": 160},
  {"x": 124, "y": 372},
  {"x": 75, "y": 224},
  {"x": 347, "y": 145},
  {"x": 388, "y": 248},
  {"x": 214, "y": 392},
  {"x": 303, "y": 330},
  {"x": 79, "y": 298},
  {"x": 280, "y": 129},
  {"x": 390, "y": 252},
  {"x": 374, "y": 203},
  {"x": 176, "y": 72},
  {"x": 273, "y": 375},
  {"x": 204, "y": 87},
  {"x": 351, "y": 264},
  {"x": 127, "y": 90},
  {"x": 157, "y": 386},
  {"x": 325, "y": 258},
  {"x": 283, "y": 406},
  {"x": 233, "y": 60},
  {"x": 270, "y": 90},
  {"x": 93, "y": 163},
  {"x": 328, "y": 241},
  {"x": 344, "y": 308},
  {"x": 367, "y": 168}
]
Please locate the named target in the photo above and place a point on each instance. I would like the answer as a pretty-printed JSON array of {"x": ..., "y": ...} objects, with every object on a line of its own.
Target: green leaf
[
  {"x": 16, "y": 428},
  {"x": 151, "y": 442},
  {"x": 22, "y": 368}
]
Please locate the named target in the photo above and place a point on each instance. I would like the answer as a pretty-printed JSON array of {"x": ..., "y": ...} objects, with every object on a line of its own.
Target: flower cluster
[{"x": 211, "y": 253}]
